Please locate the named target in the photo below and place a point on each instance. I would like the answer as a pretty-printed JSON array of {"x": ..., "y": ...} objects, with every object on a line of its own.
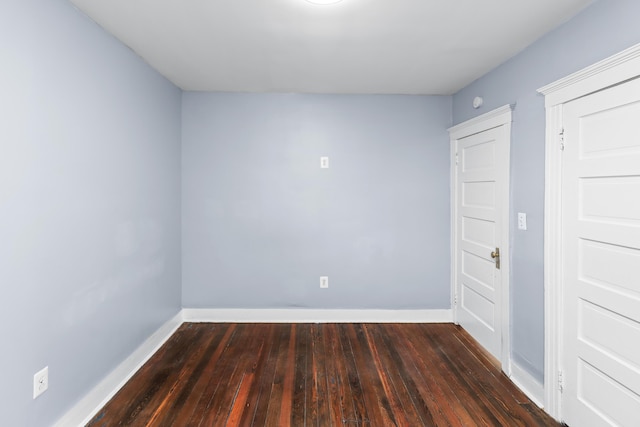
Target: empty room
[{"x": 320, "y": 213}]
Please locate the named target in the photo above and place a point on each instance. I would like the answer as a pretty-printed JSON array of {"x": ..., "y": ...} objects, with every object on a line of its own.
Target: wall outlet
[
  {"x": 324, "y": 162},
  {"x": 40, "y": 382},
  {"x": 324, "y": 282},
  {"x": 522, "y": 221}
]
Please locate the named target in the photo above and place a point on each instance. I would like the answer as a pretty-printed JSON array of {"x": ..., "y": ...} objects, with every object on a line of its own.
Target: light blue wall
[
  {"x": 262, "y": 222},
  {"x": 89, "y": 205},
  {"x": 601, "y": 30},
  {"x": 90, "y": 196}
]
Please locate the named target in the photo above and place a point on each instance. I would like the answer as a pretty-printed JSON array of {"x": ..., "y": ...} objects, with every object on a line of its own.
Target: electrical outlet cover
[
  {"x": 40, "y": 382},
  {"x": 522, "y": 221},
  {"x": 324, "y": 282}
]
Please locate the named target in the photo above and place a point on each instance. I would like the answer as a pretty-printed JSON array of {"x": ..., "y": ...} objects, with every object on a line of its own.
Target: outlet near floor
[{"x": 40, "y": 382}]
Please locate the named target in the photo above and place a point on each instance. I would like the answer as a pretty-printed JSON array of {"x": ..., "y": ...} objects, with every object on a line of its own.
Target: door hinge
[
  {"x": 561, "y": 134},
  {"x": 455, "y": 299},
  {"x": 561, "y": 381},
  {"x": 456, "y": 157}
]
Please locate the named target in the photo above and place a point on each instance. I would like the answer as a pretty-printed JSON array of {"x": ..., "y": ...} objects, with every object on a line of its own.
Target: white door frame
[
  {"x": 609, "y": 72},
  {"x": 499, "y": 117}
]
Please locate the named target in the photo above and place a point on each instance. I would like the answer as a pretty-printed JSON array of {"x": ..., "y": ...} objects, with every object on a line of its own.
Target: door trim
[
  {"x": 608, "y": 72},
  {"x": 499, "y": 117}
]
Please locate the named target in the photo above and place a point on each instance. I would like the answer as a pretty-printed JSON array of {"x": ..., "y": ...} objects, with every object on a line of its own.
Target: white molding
[
  {"x": 553, "y": 260},
  {"x": 492, "y": 119},
  {"x": 454, "y": 241},
  {"x": 91, "y": 403},
  {"x": 315, "y": 316},
  {"x": 506, "y": 243},
  {"x": 608, "y": 72},
  {"x": 502, "y": 116},
  {"x": 528, "y": 384}
]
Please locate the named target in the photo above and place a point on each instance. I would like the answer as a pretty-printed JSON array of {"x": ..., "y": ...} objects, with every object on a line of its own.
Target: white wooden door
[
  {"x": 601, "y": 252},
  {"x": 482, "y": 172}
]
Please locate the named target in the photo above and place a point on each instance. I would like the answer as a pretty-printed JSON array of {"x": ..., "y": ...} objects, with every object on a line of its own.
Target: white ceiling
[{"x": 356, "y": 46}]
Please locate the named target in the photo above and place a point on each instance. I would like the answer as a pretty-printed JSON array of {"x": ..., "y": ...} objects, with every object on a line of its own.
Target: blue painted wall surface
[
  {"x": 90, "y": 196},
  {"x": 601, "y": 30},
  {"x": 262, "y": 222},
  {"x": 89, "y": 205}
]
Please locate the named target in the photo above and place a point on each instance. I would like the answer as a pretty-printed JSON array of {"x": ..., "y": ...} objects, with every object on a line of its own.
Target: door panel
[
  {"x": 479, "y": 270},
  {"x": 601, "y": 200},
  {"x": 483, "y": 308},
  {"x": 479, "y": 194},
  {"x": 483, "y": 158},
  {"x": 478, "y": 232},
  {"x": 601, "y": 252},
  {"x": 602, "y": 397}
]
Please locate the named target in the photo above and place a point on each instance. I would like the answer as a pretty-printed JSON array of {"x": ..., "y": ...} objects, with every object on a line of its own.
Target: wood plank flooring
[{"x": 320, "y": 375}]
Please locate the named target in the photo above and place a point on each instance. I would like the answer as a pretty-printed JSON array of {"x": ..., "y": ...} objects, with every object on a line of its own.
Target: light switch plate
[
  {"x": 324, "y": 162},
  {"x": 522, "y": 221},
  {"x": 324, "y": 282}
]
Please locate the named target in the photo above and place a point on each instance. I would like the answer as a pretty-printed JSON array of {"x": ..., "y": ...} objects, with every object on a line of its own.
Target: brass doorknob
[{"x": 496, "y": 255}]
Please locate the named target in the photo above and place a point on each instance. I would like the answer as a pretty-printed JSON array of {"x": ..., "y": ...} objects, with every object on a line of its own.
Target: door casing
[
  {"x": 500, "y": 117},
  {"x": 609, "y": 72}
]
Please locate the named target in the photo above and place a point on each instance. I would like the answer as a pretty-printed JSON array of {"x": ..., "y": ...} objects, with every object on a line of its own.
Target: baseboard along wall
[
  {"x": 315, "y": 316},
  {"x": 93, "y": 401},
  {"x": 89, "y": 405},
  {"x": 528, "y": 384}
]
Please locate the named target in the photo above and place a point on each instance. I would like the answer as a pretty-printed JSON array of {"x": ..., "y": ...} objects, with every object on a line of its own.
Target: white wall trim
[
  {"x": 90, "y": 404},
  {"x": 95, "y": 399},
  {"x": 502, "y": 116},
  {"x": 553, "y": 260},
  {"x": 609, "y": 72},
  {"x": 315, "y": 316},
  {"x": 492, "y": 119},
  {"x": 528, "y": 384},
  {"x": 453, "y": 159}
]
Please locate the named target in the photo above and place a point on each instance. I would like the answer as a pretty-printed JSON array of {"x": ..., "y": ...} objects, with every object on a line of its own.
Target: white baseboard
[
  {"x": 86, "y": 408},
  {"x": 89, "y": 405},
  {"x": 315, "y": 316},
  {"x": 529, "y": 385}
]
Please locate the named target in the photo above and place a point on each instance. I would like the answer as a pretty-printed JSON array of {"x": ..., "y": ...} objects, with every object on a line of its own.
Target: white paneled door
[
  {"x": 481, "y": 174},
  {"x": 601, "y": 251}
]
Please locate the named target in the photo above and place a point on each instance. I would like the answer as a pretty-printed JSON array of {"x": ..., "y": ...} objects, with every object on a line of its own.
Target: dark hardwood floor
[{"x": 320, "y": 375}]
